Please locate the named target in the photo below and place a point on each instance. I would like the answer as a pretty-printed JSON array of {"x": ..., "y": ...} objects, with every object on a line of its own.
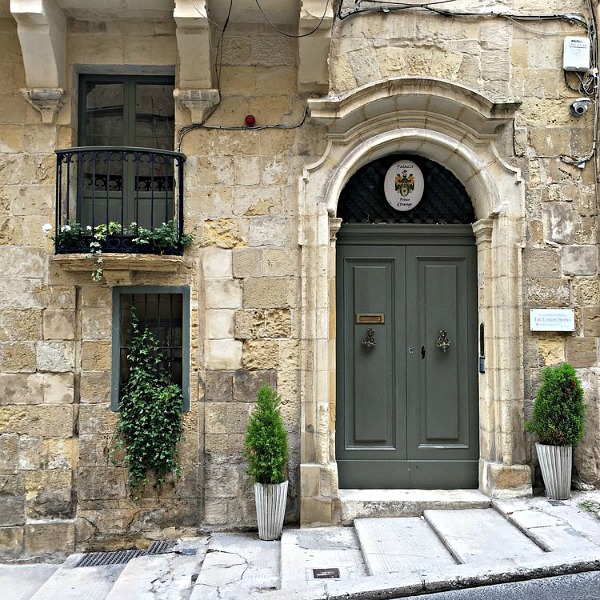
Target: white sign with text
[{"x": 552, "y": 319}]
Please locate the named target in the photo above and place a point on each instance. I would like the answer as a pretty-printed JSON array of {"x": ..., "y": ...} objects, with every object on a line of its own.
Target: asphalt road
[{"x": 581, "y": 586}]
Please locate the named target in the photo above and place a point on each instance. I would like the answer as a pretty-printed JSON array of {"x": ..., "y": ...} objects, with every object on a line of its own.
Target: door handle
[
  {"x": 422, "y": 351},
  {"x": 369, "y": 342}
]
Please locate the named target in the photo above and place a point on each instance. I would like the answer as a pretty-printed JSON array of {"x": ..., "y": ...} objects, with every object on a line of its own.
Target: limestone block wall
[
  {"x": 59, "y": 489},
  {"x": 243, "y": 196},
  {"x": 38, "y": 412}
]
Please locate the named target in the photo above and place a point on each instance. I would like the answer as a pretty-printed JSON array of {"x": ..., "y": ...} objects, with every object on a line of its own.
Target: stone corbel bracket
[
  {"x": 200, "y": 103},
  {"x": 42, "y": 31},
  {"x": 196, "y": 90},
  {"x": 47, "y": 101},
  {"x": 313, "y": 48}
]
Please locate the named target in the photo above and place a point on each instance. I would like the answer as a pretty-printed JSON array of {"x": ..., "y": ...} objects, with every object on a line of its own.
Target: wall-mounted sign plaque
[
  {"x": 403, "y": 185},
  {"x": 552, "y": 319}
]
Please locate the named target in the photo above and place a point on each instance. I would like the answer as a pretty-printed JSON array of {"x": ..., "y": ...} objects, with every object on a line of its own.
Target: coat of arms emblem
[{"x": 404, "y": 183}]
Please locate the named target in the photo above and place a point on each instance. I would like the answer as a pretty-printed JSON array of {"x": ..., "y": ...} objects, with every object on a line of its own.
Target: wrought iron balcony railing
[{"x": 127, "y": 199}]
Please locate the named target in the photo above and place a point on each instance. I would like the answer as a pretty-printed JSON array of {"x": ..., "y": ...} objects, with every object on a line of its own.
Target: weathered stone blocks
[
  {"x": 269, "y": 292},
  {"x": 223, "y": 233},
  {"x": 582, "y": 352},
  {"x": 12, "y": 500},
  {"x": 17, "y": 356},
  {"x": 258, "y": 324},
  {"x": 40, "y": 539},
  {"x": 580, "y": 260},
  {"x": 586, "y": 454},
  {"x": 223, "y": 354},
  {"x": 49, "y": 494},
  {"x": 11, "y": 543}
]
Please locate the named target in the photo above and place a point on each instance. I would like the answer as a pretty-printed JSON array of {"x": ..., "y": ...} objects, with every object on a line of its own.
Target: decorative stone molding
[
  {"x": 200, "y": 103},
  {"x": 457, "y": 128},
  {"x": 415, "y": 102},
  {"x": 313, "y": 48},
  {"x": 47, "y": 101},
  {"x": 334, "y": 227},
  {"x": 121, "y": 268}
]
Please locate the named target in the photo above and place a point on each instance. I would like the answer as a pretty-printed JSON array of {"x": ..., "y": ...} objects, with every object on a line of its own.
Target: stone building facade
[{"x": 476, "y": 88}]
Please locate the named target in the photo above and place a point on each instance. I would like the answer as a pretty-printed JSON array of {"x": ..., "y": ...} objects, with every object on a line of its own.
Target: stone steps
[
  {"x": 306, "y": 563},
  {"x": 400, "y": 545},
  {"x": 480, "y": 536},
  {"x": 308, "y": 554}
]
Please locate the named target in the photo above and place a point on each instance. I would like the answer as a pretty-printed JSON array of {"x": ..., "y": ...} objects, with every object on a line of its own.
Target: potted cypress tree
[
  {"x": 557, "y": 422},
  {"x": 266, "y": 450}
]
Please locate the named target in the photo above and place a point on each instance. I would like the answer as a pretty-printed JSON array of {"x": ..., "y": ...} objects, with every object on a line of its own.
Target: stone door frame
[{"x": 464, "y": 131}]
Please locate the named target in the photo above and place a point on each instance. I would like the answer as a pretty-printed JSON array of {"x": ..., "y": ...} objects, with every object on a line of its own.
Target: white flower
[
  {"x": 46, "y": 228},
  {"x": 65, "y": 228},
  {"x": 89, "y": 228}
]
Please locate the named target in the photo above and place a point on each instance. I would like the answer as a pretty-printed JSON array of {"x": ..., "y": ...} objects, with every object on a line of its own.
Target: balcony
[{"x": 120, "y": 200}]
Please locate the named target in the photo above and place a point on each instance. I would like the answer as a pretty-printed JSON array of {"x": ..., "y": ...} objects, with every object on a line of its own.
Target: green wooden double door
[{"x": 407, "y": 395}]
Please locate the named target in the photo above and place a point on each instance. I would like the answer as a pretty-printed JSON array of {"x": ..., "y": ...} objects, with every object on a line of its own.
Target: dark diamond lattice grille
[{"x": 445, "y": 200}]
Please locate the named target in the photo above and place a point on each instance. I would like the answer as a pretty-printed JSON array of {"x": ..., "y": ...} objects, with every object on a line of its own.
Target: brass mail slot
[{"x": 370, "y": 318}]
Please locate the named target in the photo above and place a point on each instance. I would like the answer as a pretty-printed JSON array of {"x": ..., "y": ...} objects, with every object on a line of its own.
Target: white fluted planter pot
[
  {"x": 556, "y": 463},
  {"x": 270, "y": 509}
]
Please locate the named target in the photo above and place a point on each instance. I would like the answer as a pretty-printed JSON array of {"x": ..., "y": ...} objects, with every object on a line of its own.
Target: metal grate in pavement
[{"x": 121, "y": 557}]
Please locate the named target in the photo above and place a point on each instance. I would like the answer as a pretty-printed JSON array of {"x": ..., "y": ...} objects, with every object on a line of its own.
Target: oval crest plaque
[{"x": 403, "y": 185}]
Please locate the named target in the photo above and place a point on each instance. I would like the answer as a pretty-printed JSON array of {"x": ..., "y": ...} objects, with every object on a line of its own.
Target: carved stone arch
[{"x": 461, "y": 130}]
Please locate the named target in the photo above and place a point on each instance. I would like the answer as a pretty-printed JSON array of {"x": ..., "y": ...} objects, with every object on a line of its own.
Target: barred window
[{"x": 164, "y": 311}]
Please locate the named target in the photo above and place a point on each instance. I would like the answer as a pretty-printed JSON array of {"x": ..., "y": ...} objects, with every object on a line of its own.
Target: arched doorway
[
  {"x": 458, "y": 128},
  {"x": 407, "y": 399}
]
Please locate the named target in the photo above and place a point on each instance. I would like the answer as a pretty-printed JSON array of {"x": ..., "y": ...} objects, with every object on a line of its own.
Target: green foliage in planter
[
  {"x": 164, "y": 237},
  {"x": 558, "y": 409},
  {"x": 150, "y": 421},
  {"x": 266, "y": 443}
]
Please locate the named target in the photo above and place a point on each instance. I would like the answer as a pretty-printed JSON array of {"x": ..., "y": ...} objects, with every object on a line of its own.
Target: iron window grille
[{"x": 165, "y": 312}]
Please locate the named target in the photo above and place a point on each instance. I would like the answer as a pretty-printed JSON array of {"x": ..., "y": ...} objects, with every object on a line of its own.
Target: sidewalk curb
[{"x": 392, "y": 586}]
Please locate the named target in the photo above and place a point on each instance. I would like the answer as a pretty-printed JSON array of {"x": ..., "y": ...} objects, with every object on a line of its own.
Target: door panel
[
  {"x": 407, "y": 410},
  {"x": 371, "y": 415}
]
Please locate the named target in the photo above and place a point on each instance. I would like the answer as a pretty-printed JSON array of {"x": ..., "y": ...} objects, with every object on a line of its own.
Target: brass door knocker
[
  {"x": 443, "y": 343},
  {"x": 369, "y": 341}
]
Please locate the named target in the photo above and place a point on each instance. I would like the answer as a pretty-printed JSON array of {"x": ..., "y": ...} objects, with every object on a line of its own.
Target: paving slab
[
  {"x": 400, "y": 545},
  {"x": 555, "y": 525},
  {"x": 480, "y": 535},
  {"x": 357, "y": 504},
  {"x": 321, "y": 548},
  {"x": 572, "y": 512},
  {"x": 237, "y": 563},
  {"x": 68, "y": 583},
  {"x": 20, "y": 582},
  {"x": 157, "y": 577}
]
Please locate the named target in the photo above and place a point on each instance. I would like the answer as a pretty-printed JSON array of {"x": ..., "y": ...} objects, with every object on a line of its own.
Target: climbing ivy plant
[{"x": 150, "y": 420}]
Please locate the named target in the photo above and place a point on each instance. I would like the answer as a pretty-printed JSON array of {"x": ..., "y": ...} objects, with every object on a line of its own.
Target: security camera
[{"x": 579, "y": 106}]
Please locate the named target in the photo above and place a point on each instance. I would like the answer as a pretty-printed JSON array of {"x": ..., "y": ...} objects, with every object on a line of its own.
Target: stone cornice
[{"x": 429, "y": 102}]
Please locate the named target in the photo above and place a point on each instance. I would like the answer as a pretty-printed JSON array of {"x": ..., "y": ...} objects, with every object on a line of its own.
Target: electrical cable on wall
[
  {"x": 289, "y": 34},
  {"x": 587, "y": 82},
  {"x": 185, "y": 130},
  {"x": 219, "y": 47}
]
